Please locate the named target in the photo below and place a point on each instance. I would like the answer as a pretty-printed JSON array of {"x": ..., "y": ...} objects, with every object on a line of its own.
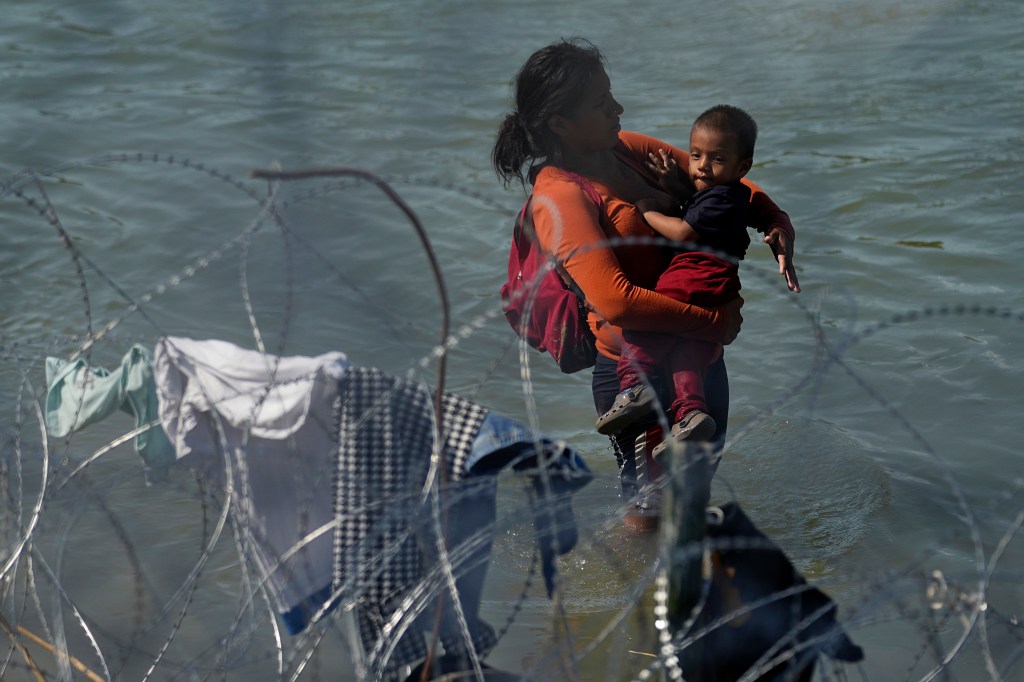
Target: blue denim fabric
[{"x": 502, "y": 442}]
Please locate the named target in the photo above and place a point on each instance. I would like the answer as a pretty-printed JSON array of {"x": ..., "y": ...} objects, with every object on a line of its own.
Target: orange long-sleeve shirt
[{"x": 618, "y": 280}]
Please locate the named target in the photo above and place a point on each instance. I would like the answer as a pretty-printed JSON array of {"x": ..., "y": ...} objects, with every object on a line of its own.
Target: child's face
[{"x": 715, "y": 158}]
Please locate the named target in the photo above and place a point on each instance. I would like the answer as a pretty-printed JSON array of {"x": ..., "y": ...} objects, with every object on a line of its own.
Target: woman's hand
[
  {"x": 782, "y": 247},
  {"x": 734, "y": 319}
]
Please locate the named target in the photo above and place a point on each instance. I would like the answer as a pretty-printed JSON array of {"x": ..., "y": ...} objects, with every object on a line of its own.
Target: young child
[{"x": 721, "y": 152}]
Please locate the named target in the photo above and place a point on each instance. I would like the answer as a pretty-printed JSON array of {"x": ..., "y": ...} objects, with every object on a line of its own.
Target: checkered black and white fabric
[{"x": 385, "y": 437}]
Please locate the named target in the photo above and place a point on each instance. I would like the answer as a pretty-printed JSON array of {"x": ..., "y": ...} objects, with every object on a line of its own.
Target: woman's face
[{"x": 594, "y": 124}]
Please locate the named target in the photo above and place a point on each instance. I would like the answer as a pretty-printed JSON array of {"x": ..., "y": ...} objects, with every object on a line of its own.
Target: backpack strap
[
  {"x": 524, "y": 229},
  {"x": 587, "y": 187}
]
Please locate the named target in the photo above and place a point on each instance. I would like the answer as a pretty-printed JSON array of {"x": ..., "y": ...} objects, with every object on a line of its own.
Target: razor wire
[{"x": 35, "y": 569}]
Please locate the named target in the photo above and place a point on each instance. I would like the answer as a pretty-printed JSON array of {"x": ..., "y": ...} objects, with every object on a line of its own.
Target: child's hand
[
  {"x": 662, "y": 165},
  {"x": 669, "y": 177},
  {"x": 782, "y": 247}
]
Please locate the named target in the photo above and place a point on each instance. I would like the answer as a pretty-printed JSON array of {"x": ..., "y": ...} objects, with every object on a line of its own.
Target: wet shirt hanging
[{"x": 326, "y": 468}]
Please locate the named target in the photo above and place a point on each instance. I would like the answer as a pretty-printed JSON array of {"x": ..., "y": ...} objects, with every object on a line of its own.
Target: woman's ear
[{"x": 559, "y": 125}]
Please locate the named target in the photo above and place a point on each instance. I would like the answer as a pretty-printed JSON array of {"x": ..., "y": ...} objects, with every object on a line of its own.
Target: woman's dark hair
[{"x": 550, "y": 83}]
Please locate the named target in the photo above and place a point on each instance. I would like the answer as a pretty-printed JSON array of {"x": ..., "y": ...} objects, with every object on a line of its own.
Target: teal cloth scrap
[{"x": 78, "y": 395}]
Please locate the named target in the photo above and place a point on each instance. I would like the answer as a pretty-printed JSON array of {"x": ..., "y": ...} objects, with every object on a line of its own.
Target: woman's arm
[
  {"x": 567, "y": 224},
  {"x": 767, "y": 218}
]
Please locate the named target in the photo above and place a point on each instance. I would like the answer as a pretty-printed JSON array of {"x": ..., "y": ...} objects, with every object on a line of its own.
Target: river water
[{"x": 874, "y": 428}]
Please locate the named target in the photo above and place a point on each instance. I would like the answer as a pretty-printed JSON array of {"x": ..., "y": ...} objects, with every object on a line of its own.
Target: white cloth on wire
[
  {"x": 327, "y": 465},
  {"x": 266, "y": 394},
  {"x": 266, "y": 420}
]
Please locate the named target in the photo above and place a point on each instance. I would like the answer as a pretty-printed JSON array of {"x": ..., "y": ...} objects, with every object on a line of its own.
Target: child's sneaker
[
  {"x": 696, "y": 426},
  {"x": 629, "y": 406}
]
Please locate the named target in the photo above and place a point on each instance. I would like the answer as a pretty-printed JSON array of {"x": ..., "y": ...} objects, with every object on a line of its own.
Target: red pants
[{"x": 699, "y": 279}]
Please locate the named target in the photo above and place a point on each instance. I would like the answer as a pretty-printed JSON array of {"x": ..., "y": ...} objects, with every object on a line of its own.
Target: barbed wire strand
[{"x": 972, "y": 604}]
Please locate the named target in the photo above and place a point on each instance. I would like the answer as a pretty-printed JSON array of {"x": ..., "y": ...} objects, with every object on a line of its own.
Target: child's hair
[{"x": 729, "y": 119}]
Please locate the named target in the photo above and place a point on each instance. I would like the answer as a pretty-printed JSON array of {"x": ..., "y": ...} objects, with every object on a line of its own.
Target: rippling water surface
[{"x": 874, "y": 446}]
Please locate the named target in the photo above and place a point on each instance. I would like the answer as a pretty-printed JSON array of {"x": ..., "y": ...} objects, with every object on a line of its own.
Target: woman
[{"x": 566, "y": 122}]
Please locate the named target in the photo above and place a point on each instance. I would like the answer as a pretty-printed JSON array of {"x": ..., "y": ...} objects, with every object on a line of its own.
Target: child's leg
[
  {"x": 642, "y": 354},
  {"x": 689, "y": 363}
]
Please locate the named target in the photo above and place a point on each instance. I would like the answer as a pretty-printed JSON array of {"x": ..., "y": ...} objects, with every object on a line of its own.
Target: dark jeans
[{"x": 605, "y": 386}]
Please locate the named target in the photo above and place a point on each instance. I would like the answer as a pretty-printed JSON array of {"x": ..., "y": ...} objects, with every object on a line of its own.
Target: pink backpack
[{"x": 542, "y": 303}]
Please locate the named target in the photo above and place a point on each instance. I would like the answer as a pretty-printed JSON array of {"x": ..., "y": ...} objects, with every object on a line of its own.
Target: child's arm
[
  {"x": 667, "y": 226},
  {"x": 768, "y": 218}
]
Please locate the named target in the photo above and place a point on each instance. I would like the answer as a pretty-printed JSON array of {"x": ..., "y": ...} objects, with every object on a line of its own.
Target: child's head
[{"x": 721, "y": 146}]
